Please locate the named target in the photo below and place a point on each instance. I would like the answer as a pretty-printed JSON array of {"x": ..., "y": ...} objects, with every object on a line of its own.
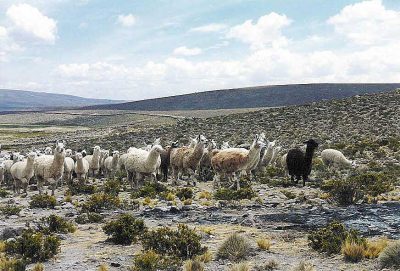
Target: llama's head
[
  {"x": 201, "y": 140},
  {"x": 262, "y": 137},
  {"x": 277, "y": 149},
  {"x": 192, "y": 142},
  {"x": 78, "y": 156},
  {"x": 131, "y": 149},
  {"x": 271, "y": 144},
  {"x": 311, "y": 144},
  {"x": 354, "y": 164},
  {"x": 48, "y": 151},
  {"x": 258, "y": 142},
  {"x": 84, "y": 153},
  {"x": 20, "y": 158},
  {"x": 31, "y": 156},
  {"x": 96, "y": 150},
  {"x": 157, "y": 141},
  {"x": 59, "y": 147},
  {"x": 68, "y": 153},
  {"x": 225, "y": 145},
  {"x": 157, "y": 149},
  {"x": 212, "y": 145},
  {"x": 115, "y": 154}
]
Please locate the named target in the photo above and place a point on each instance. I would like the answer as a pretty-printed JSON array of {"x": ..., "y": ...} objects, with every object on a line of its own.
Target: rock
[{"x": 10, "y": 232}]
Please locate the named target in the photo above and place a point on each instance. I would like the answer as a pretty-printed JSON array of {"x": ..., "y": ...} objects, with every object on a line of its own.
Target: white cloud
[
  {"x": 214, "y": 27},
  {"x": 265, "y": 32},
  {"x": 367, "y": 23},
  {"x": 126, "y": 20},
  {"x": 31, "y": 21},
  {"x": 185, "y": 51}
]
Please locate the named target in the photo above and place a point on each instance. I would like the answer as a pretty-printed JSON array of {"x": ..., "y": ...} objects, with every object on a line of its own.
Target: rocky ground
[{"x": 365, "y": 128}]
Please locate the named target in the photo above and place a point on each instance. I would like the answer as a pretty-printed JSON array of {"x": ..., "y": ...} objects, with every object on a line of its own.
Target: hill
[
  {"x": 20, "y": 100},
  {"x": 262, "y": 96}
]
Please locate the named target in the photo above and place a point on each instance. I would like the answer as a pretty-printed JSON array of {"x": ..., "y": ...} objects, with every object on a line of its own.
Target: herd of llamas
[{"x": 58, "y": 165}]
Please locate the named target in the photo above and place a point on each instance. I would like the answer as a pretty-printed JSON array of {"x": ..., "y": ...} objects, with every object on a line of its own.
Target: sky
[{"x": 135, "y": 50}]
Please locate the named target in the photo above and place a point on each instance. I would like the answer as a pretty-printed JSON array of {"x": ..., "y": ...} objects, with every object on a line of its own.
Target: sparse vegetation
[
  {"x": 240, "y": 267},
  {"x": 234, "y": 248},
  {"x": 55, "y": 224},
  {"x": 330, "y": 239},
  {"x": 81, "y": 188},
  {"x": 10, "y": 209},
  {"x": 90, "y": 217},
  {"x": 125, "y": 229},
  {"x": 304, "y": 266},
  {"x": 269, "y": 266},
  {"x": 184, "y": 193},
  {"x": 43, "y": 201},
  {"x": 193, "y": 265},
  {"x": 229, "y": 194},
  {"x": 353, "y": 251},
  {"x": 390, "y": 256},
  {"x": 264, "y": 243},
  {"x": 101, "y": 201}
]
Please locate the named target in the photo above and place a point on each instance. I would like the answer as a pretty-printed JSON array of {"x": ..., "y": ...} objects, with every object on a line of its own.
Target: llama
[
  {"x": 2, "y": 171},
  {"x": 225, "y": 145},
  {"x": 50, "y": 168},
  {"x": 266, "y": 156},
  {"x": 186, "y": 159},
  {"x": 94, "y": 161},
  {"x": 275, "y": 153},
  {"x": 299, "y": 164},
  {"x": 22, "y": 172},
  {"x": 104, "y": 154},
  {"x": 48, "y": 151},
  {"x": 165, "y": 160},
  {"x": 204, "y": 169},
  {"x": 141, "y": 162},
  {"x": 69, "y": 165},
  {"x": 230, "y": 161},
  {"x": 336, "y": 159},
  {"x": 111, "y": 165},
  {"x": 81, "y": 167}
]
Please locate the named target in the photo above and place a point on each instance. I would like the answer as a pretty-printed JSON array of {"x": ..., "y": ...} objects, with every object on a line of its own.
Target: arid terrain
[{"x": 365, "y": 128}]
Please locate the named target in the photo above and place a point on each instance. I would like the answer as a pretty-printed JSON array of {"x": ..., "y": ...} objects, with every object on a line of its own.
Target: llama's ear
[
  {"x": 58, "y": 141},
  {"x": 198, "y": 137},
  {"x": 256, "y": 137}
]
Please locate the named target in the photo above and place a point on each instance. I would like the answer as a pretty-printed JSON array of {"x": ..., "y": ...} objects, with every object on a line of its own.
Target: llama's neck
[
  {"x": 152, "y": 158},
  {"x": 198, "y": 151},
  {"x": 347, "y": 162},
  {"x": 79, "y": 164},
  {"x": 96, "y": 159},
  {"x": 57, "y": 167},
  {"x": 29, "y": 167},
  {"x": 114, "y": 161},
  {"x": 309, "y": 155},
  {"x": 253, "y": 156}
]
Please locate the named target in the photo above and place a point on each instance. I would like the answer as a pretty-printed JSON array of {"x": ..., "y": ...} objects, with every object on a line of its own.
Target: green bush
[
  {"x": 150, "y": 190},
  {"x": 3, "y": 193},
  {"x": 10, "y": 209},
  {"x": 183, "y": 243},
  {"x": 101, "y": 201},
  {"x": 11, "y": 264},
  {"x": 357, "y": 187},
  {"x": 234, "y": 248},
  {"x": 81, "y": 188},
  {"x": 33, "y": 246},
  {"x": 43, "y": 201},
  {"x": 151, "y": 261},
  {"x": 184, "y": 193},
  {"x": 330, "y": 239},
  {"x": 55, "y": 224},
  {"x": 390, "y": 256},
  {"x": 125, "y": 229},
  {"x": 89, "y": 218},
  {"x": 112, "y": 187},
  {"x": 229, "y": 194}
]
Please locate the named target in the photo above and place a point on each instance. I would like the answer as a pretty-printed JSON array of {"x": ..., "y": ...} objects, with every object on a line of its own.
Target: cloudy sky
[{"x": 137, "y": 49}]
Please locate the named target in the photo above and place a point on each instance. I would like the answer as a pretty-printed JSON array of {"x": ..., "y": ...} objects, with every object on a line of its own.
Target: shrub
[
  {"x": 193, "y": 265},
  {"x": 151, "y": 261},
  {"x": 103, "y": 267},
  {"x": 234, "y": 248},
  {"x": 112, "y": 187},
  {"x": 150, "y": 190},
  {"x": 125, "y": 229},
  {"x": 10, "y": 209},
  {"x": 89, "y": 218},
  {"x": 43, "y": 201},
  {"x": 55, "y": 224},
  {"x": 288, "y": 194},
  {"x": 269, "y": 266},
  {"x": 81, "y": 188},
  {"x": 205, "y": 257},
  {"x": 205, "y": 195},
  {"x": 264, "y": 244},
  {"x": 390, "y": 256},
  {"x": 228, "y": 194},
  {"x": 38, "y": 267},
  {"x": 374, "y": 248},
  {"x": 3, "y": 193},
  {"x": 304, "y": 266},
  {"x": 101, "y": 201},
  {"x": 11, "y": 264},
  {"x": 33, "y": 246},
  {"x": 183, "y": 243},
  {"x": 352, "y": 251},
  {"x": 330, "y": 239},
  {"x": 354, "y": 188},
  {"x": 240, "y": 267},
  {"x": 184, "y": 193}
]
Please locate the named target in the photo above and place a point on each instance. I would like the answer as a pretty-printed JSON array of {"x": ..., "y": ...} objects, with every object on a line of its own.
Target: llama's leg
[
  {"x": 305, "y": 178},
  {"x": 129, "y": 178},
  {"x": 15, "y": 186},
  {"x": 40, "y": 181},
  {"x": 52, "y": 185},
  {"x": 174, "y": 176},
  {"x": 25, "y": 184}
]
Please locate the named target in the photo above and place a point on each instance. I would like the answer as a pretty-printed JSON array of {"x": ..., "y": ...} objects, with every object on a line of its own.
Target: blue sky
[{"x": 142, "y": 49}]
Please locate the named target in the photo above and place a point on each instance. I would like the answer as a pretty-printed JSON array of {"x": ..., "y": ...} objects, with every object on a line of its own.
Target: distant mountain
[
  {"x": 20, "y": 100},
  {"x": 262, "y": 96}
]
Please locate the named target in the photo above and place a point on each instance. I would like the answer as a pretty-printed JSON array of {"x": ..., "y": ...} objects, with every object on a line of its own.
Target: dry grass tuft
[
  {"x": 264, "y": 243},
  {"x": 243, "y": 266},
  {"x": 352, "y": 251}
]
